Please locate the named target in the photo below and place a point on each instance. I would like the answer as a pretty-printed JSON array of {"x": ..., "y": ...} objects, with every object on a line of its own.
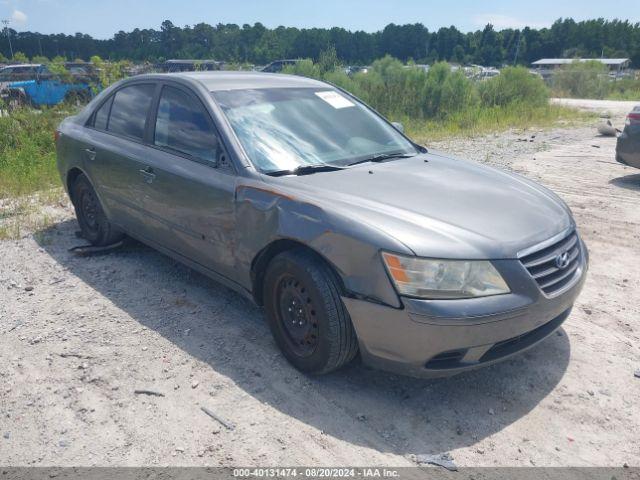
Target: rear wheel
[
  {"x": 93, "y": 222},
  {"x": 306, "y": 314}
]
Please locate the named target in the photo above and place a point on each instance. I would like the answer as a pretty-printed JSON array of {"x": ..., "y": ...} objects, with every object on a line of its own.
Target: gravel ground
[{"x": 78, "y": 337}]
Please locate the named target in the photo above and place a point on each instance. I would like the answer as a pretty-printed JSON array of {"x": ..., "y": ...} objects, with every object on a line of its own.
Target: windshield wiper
[
  {"x": 382, "y": 157},
  {"x": 305, "y": 170}
]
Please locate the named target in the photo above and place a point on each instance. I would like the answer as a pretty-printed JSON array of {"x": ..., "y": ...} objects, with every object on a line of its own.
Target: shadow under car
[{"x": 406, "y": 415}]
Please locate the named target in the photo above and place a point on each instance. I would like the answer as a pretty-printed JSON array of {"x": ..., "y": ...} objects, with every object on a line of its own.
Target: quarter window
[
  {"x": 184, "y": 125},
  {"x": 129, "y": 110},
  {"x": 101, "y": 118}
]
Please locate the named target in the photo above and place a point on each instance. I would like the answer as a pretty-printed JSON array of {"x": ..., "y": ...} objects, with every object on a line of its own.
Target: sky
[{"x": 103, "y": 18}]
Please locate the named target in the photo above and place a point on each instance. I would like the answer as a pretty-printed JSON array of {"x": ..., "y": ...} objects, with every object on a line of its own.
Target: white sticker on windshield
[{"x": 335, "y": 99}]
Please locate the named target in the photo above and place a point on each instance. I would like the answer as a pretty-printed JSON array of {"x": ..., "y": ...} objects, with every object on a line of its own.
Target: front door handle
[
  {"x": 91, "y": 153},
  {"x": 148, "y": 175}
]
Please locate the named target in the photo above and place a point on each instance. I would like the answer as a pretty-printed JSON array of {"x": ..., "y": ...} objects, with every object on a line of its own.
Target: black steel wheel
[
  {"x": 306, "y": 314},
  {"x": 94, "y": 224},
  {"x": 297, "y": 313}
]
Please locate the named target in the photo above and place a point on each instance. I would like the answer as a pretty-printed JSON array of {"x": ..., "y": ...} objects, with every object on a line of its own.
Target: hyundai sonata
[{"x": 354, "y": 238}]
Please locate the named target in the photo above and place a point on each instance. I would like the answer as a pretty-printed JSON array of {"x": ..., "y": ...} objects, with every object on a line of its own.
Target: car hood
[{"x": 440, "y": 206}]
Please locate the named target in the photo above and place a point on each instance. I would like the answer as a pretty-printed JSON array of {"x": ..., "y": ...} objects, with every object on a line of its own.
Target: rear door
[
  {"x": 114, "y": 154},
  {"x": 190, "y": 197}
]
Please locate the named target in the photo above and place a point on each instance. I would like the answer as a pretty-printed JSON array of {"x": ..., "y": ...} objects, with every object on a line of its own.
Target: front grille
[
  {"x": 454, "y": 359},
  {"x": 543, "y": 264},
  {"x": 520, "y": 342}
]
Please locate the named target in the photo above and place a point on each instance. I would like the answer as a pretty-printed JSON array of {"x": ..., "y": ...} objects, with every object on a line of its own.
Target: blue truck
[{"x": 35, "y": 85}]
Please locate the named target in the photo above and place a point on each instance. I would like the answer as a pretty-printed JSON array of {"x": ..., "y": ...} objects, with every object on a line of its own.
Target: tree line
[{"x": 258, "y": 44}]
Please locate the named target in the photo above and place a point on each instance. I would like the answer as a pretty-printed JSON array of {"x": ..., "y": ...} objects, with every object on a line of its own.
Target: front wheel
[
  {"x": 306, "y": 314},
  {"x": 93, "y": 222}
]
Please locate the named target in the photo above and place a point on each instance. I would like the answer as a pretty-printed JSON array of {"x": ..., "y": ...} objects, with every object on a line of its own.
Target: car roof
[
  {"x": 21, "y": 65},
  {"x": 229, "y": 80}
]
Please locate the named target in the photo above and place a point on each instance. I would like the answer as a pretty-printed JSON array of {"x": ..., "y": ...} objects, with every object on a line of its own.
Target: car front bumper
[{"x": 436, "y": 338}]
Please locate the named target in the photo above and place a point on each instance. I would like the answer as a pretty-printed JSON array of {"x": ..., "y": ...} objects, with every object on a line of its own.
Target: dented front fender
[{"x": 266, "y": 215}]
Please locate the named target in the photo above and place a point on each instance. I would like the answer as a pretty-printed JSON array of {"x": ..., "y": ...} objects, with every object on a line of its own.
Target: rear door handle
[
  {"x": 148, "y": 175},
  {"x": 91, "y": 153}
]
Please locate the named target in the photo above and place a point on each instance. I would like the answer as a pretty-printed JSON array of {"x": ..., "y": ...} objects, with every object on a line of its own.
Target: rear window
[
  {"x": 17, "y": 73},
  {"x": 23, "y": 70},
  {"x": 129, "y": 110}
]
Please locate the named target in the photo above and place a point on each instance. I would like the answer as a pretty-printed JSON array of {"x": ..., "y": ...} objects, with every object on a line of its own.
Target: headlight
[{"x": 433, "y": 278}]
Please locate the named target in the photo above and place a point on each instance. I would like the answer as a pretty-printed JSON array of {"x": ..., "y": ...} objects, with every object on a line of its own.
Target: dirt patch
[{"x": 79, "y": 336}]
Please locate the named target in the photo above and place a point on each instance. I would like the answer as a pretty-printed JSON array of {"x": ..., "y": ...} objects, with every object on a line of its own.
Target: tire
[
  {"x": 93, "y": 222},
  {"x": 306, "y": 315},
  {"x": 619, "y": 159}
]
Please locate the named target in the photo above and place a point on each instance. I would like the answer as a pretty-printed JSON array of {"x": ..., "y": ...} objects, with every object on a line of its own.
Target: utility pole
[
  {"x": 6, "y": 26},
  {"x": 515, "y": 58},
  {"x": 426, "y": 47}
]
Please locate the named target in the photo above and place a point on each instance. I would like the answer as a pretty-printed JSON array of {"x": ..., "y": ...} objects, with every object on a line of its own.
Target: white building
[{"x": 546, "y": 66}]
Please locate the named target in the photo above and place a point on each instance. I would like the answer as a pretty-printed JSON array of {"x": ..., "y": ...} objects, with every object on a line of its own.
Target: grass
[
  {"x": 485, "y": 120},
  {"x": 591, "y": 80},
  {"x": 27, "y": 151},
  {"x": 25, "y": 214},
  {"x": 625, "y": 90},
  {"x": 29, "y": 180}
]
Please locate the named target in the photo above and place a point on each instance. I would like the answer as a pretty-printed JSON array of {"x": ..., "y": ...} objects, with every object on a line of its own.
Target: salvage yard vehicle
[
  {"x": 35, "y": 85},
  {"x": 628, "y": 143},
  {"x": 172, "y": 66},
  {"x": 278, "y": 66},
  {"x": 354, "y": 238}
]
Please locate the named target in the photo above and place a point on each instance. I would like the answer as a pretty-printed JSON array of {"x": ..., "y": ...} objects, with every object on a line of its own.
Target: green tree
[
  {"x": 514, "y": 85},
  {"x": 582, "y": 80},
  {"x": 40, "y": 59},
  {"x": 258, "y": 44},
  {"x": 20, "y": 57},
  {"x": 109, "y": 72},
  {"x": 328, "y": 60}
]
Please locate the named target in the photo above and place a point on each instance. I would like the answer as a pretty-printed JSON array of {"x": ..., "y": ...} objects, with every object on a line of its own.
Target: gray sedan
[
  {"x": 628, "y": 144},
  {"x": 355, "y": 239}
]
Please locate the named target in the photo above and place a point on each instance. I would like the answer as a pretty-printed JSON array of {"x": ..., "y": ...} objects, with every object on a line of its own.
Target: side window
[
  {"x": 129, "y": 110},
  {"x": 101, "y": 117},
  {"x": 183, "y": 125},
  {"x": 5, "y": 74}
]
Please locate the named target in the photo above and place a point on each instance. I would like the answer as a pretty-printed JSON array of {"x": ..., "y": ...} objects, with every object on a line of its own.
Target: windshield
[
  {"x": 9, "y": 74},
  {"x": 286, "y": 128}
]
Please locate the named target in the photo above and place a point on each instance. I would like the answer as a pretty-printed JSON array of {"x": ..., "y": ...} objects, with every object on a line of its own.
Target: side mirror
[{"x": 398, "y": 126}]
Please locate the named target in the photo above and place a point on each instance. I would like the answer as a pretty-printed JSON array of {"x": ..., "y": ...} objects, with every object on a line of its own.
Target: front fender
[{"x": 265, "y": 215}]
